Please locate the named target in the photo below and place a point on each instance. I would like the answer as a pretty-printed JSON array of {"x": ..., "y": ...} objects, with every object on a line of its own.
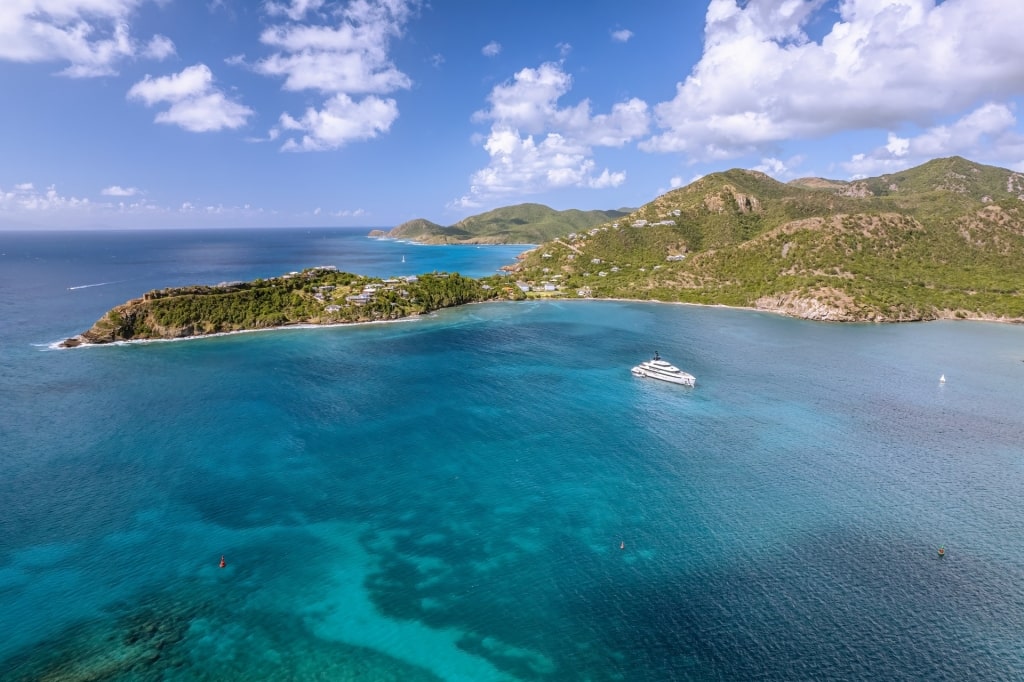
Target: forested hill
[
  {"x": 520, "y": 224},
  {"x": 944, "y": 239},
  {"x": 320, "y": 295}
]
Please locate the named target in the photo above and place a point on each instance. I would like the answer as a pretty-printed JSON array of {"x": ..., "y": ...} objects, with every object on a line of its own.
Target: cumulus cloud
[
  {"x": 294, "y": 10},
  {"x": 622, "y": 35},
  {"x": 195, "y": 103},
  {"x": 988, "y": 131},
  {"x": 762, "y": 79},
  {"x": 24, "y": 205},
  {"x": 343, "y": 56},
  {"x": 491, "y": 49},
  {"x": 778, "y": 168},
  {"x": 92, "y": 36},
  {"x": 159, "y": 48},
  {"x": 118, "y": 191},
  {"x": 341, "y": 120},
  {"x": 535, "y": 145},
  {"x": 24, "y": 198}
]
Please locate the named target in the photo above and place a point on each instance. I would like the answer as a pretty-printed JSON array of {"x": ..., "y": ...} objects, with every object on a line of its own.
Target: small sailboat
[
  {"x": 942, "y": 379},
  {"x": 403, "y": 259}
]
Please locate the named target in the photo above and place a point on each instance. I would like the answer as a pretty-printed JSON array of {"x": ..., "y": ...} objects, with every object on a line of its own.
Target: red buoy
[{"x": 222, "y": 562}]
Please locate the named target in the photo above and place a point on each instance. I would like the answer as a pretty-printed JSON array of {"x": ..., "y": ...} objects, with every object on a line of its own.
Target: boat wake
[{"x": 89, "y": 286}]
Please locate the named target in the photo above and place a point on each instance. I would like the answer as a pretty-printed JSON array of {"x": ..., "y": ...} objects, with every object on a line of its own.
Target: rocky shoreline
[{"x": 798, "y": 308}]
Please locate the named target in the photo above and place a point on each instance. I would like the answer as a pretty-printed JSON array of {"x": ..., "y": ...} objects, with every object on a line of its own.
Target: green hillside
[
  {"x": 315, "y": 296},
  {"x": 945, "y": 239},
  {"x": 520, "y": 224}
]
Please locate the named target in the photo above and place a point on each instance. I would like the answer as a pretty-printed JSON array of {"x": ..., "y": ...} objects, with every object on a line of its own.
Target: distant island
[
  {"x": 519, "y": 224},
  {"x": 942, "y": 240},
  {"x": 316, "y": 296}
]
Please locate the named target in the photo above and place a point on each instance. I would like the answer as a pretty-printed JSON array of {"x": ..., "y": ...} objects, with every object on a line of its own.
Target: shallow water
[{"x": 488, "y": 494}]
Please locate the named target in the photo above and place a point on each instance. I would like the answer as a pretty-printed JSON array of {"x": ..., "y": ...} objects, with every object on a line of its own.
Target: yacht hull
[{"x": 663, "y": 371}]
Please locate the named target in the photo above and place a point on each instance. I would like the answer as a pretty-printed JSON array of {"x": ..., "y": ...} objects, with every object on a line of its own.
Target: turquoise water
[{"x": 487, "y": 493}]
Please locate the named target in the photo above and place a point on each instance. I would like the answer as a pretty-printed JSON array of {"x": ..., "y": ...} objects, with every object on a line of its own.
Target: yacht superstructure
[{"x": 656, "y": 368}]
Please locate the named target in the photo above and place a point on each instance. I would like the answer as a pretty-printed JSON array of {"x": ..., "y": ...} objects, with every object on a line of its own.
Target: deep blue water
[{"x": 487, "y": 493}]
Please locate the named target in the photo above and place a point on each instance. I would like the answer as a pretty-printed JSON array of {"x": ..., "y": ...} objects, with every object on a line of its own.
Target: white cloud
[
  {"x": 622, "y": 35},
  {"x": 771, "y": 166},
  {"x": 195, "y": 103},
  {"x": 762, "y": 80},
  {"x": 24, "y": 205},
  {"x": 118, "y": 191},
  {"x": 349, "y": 213},
  {"x": 333, "y": 72},
  {"x": 25, "y": 199},
  {"x": 159, "y": 48},
  {"x": 535, "y": 145},
  {"x": 348, "y": 57},
  {"x": 491, "y": 49},
  {"x": 342, "y": 120},
  {"x": 897, "y": 146},
  {"x": 295, "y": 10},
  {"x": 778, "y": 168},
  {"x": 345, "y": 57},
  {"x": 92, "y": 36},
  {"x": 988, "y": 133}
]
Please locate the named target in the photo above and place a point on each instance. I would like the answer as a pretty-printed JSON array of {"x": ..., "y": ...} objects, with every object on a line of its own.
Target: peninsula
[{"x": 316, "y": 296}]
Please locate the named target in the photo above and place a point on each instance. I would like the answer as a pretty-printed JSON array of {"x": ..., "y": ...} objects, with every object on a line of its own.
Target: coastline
[
  {"x": 416, "y": 242},
  {"x": 952, "y": 317},
  {"x": 948, "y": 316},
  {"x": 58, "y": 345}
]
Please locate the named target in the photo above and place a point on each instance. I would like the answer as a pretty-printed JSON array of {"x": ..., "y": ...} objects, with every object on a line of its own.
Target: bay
[{"x": 487, "y": 493}]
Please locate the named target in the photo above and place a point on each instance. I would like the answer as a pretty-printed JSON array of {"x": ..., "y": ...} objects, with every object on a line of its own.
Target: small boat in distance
[
  {"x": 942, "y": 379},
  {"x": 656, "y": 368}
]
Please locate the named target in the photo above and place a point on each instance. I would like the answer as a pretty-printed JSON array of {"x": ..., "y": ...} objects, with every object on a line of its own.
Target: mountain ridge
[
  {"x": 527, "y": 223},
  {"x": 943, "y": 239}
]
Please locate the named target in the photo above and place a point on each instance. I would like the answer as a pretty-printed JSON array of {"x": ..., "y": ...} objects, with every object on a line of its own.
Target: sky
[{"x": 280, "y": 113}]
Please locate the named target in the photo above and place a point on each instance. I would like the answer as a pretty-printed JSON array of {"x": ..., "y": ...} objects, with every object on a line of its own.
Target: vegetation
[
  {"x": 314, "y": 296},
  {"x": 945, "y": 239},
  {"x": 521, "y": 224}
]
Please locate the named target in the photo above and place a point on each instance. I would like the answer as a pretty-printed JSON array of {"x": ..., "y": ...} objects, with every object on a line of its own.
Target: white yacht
[{"x": 656, "y": 368}]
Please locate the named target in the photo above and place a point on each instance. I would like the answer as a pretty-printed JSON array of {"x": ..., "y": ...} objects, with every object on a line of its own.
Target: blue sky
[{"x": 190, "y": 113}]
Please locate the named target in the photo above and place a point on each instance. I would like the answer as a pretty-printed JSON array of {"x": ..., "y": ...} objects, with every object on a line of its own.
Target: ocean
[{"x": 486, "y": 493}]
